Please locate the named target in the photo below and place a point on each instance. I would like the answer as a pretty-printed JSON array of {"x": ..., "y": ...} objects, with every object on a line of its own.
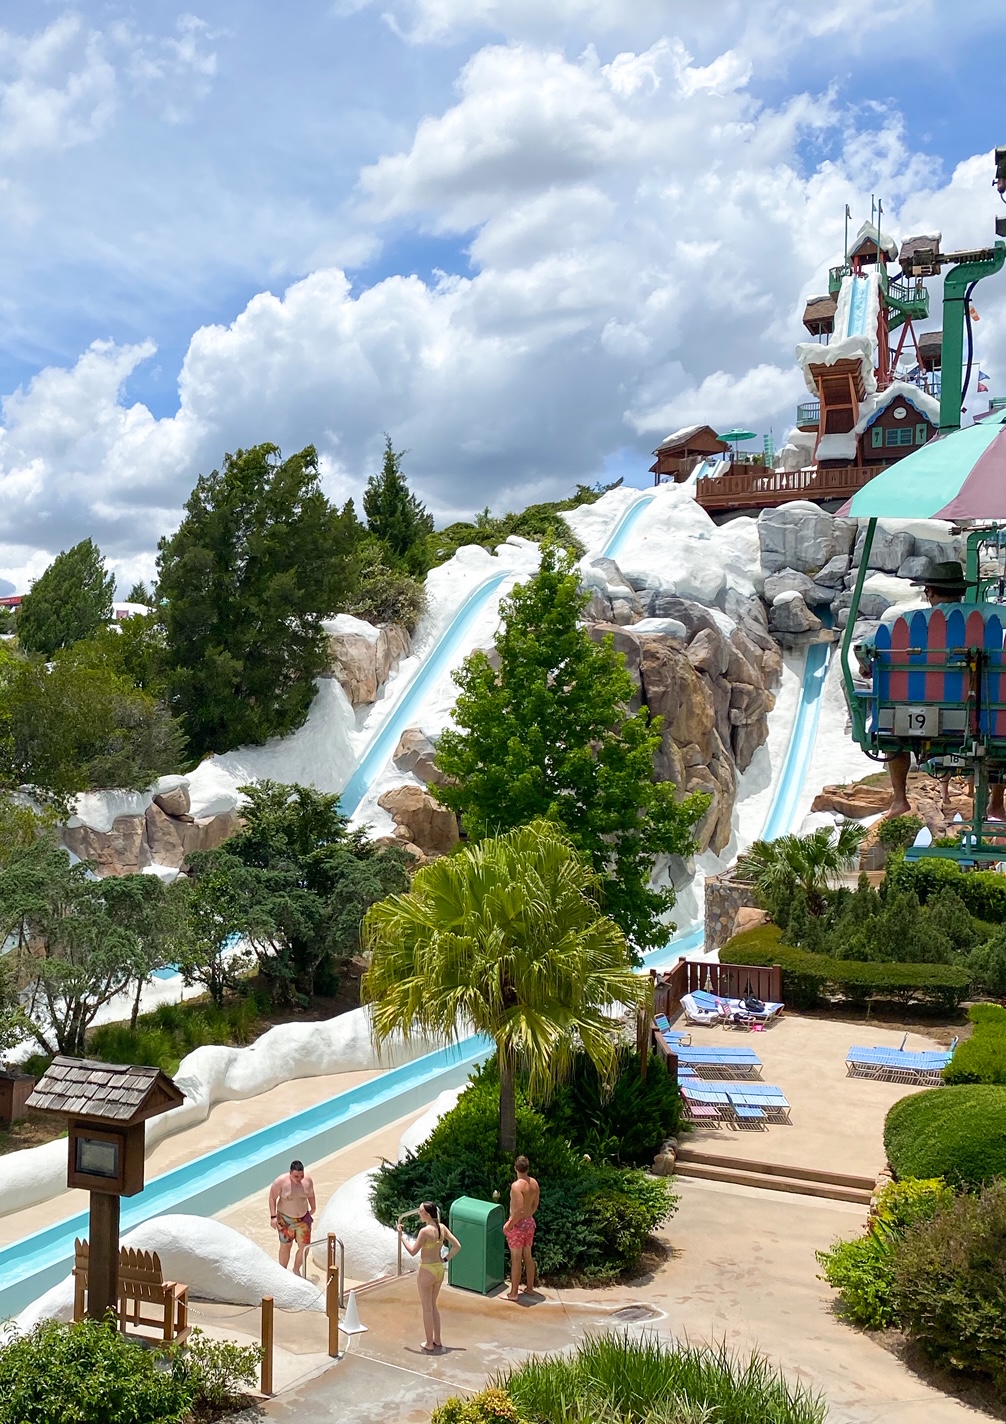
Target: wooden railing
[
  {"x": 728, "y": 981},
  {"x": 764, "y": 489}
]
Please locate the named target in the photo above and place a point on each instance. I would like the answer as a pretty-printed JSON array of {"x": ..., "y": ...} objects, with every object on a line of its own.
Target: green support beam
[{"x": 955, "y": 285}]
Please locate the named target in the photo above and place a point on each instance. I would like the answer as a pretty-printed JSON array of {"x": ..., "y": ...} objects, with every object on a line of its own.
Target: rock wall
[
  {"x": 163, "y": 835},
  {"x": 362, "y": 657},
  {"x": 724, "y": 898}
]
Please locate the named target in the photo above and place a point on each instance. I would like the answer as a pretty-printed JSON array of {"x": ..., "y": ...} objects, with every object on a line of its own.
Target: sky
[{"x": 524, "y": 238}]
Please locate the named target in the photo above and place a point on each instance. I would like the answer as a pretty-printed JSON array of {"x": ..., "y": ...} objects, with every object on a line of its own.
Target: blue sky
[{"x": 525, "y": 237}]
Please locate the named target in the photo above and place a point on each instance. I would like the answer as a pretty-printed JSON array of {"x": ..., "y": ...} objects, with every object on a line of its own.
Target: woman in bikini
[{"x": 430, "y": 1241}]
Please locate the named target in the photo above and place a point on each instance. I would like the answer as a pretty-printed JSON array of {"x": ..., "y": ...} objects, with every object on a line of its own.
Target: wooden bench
[{"x": 141, "y": 1282}]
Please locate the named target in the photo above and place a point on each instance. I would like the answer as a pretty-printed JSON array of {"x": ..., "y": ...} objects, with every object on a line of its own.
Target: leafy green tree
[
  {"x": 548, "y": 734},
  {"x": 217, "y": 900},
  {"x": 395, "y": 516},
  {"x": 153, "y": 914},
  {"x": 385, "y": 595},
  {"x": 71, "y": 600},
  {"x": 71, "y": 952},
  {"x": 987, "y": 964},
  {"x": 140, "y": 593},
  {"x": 14, "y": 1024},
  {"x": 7, "y": 619},
  {"x": 505, "y": 937},
  {"x": 297, "y": 882},
  {"x": 21, "y": 823},
  {"x": 260, "y": 559},
  {"x": 66, "y": 728},
  {"x": 812, "y": 864}
]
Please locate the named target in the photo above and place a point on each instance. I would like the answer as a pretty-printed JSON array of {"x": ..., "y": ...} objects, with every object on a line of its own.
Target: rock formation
[
  {"x": 362, "y": 657},
  {"x": 422, "y": 825},
  {"x": 164, "y": 834}
]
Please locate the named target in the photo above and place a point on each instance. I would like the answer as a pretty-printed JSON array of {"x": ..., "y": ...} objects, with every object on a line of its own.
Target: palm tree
[
  {"x": 506, "y": 938},
  {"x": 812, "y": 863}
]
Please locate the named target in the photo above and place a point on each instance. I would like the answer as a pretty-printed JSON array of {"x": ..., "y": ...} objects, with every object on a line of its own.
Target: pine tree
[
  {"x": 71, "y": 600},
  {"x": 140, "y": 593},
  {"x": 549, "y": 735},
  {"x": 395, "y": 516},
  {"x": 259, "y": 560}
]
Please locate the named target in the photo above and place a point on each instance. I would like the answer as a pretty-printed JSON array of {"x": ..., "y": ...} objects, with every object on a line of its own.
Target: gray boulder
[
  {"x": 834, "y": 572},
  {"x": 611, "y": 571},
  {"x": 787, "y": 581},
  {"x": 916, "y": 567},
  {"x": 797, "y": 536},
  {"x": 789, "y": 616},
  {"x": 889, "y": 551}
]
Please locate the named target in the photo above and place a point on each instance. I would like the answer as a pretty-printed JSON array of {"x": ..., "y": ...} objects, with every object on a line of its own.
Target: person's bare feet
[
  {"x": 513, "y": 1295},
  {"x": 898, "y": 808},
  {"x": 428, "y": 1349}
]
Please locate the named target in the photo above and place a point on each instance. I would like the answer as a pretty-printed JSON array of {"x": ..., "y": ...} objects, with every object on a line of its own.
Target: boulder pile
[{"x": 163, "y": 834}]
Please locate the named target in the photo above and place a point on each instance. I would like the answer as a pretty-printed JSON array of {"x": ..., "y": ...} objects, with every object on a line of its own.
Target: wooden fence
[
  {"x": 728, "y": 981},
  {"x": 759, "y": 488}
]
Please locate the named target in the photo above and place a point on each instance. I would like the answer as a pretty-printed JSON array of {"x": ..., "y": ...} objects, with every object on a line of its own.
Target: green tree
[
  {"x": 259, "y": 560},
  {"x": 7, "y": 620},
  {"x": 297, "y": 882},
  {"x": 153, "y": 913},
  {"x": 505, "y": 937},
  {"x": 71, "y": 600},
  {"x": 140, "y": 593},
  {"x": 21, "y": 823},
  {"x": 71, "y": 952},
  {"x": 548, "y": 734},
  {"x": 811, "y": 864},
  {"x": 217, "y": 900},
  {"x": 66, "y": 727},
  {"x": 395, "y": 516}
]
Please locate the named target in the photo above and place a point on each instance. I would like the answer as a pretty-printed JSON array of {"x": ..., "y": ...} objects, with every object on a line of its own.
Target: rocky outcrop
[
  {"x": 791, "y": 620},
  {"x": 855, "y": 801},
  {"x": 415, "y": 753},
  {"x": 420, "y": 822},
  {"x": 725, "y": 900},
  {"x": 362, "y": 657},
  {"x": 154, "y": 838}
]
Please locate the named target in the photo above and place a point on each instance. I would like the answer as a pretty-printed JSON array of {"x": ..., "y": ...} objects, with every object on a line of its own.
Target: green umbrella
[{"x": 737, "y": 435}]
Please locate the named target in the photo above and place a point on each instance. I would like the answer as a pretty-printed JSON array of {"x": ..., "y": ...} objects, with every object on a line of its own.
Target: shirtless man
[
  {"x": 291, "y": 1207},
  {"x": 519, "y": 1228}
]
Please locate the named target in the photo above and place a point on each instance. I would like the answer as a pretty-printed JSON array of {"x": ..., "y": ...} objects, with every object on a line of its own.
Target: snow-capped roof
[
  {"x": 853, "y": 348},
  {"x": 868, "y": 233},
  {"x": 678, "y": 437},
  {"x": 874, "y": 405}
]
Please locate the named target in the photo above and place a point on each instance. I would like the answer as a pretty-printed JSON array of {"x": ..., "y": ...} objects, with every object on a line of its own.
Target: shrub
[
  {"x": 982, "y": 1057},
  {"x": 88, "y": 1374},
  {"x": 163, "y": 1037},
  {"x": 809, "y": 977},
  {"x": 386, "y": 595},
  {"x": 899, "y": 832},
  {"x": 491, "y": 1406},
  {"x": 216, "y": 1370},
  {"x": 987, "y": 965},
  {"x": 592, "y": 1219},
  {"x": 949, "y": 1283},
  {"x": 983, "y": 891},
  {"x": 616, "y": 1377},
  {"x": 958, "y": 1133},
  {"x": 863, "y": 1269},
  {"x": 627, "y": 1126}
]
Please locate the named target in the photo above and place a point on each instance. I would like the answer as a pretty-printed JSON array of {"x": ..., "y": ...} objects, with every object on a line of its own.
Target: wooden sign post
[{"x": 106, "y": 1106}]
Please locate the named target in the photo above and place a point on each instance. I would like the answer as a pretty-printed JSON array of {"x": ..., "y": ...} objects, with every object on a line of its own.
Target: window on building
[
  {"x": 921, "y": 434},
  {"x": 877, "y": 436},
  {"x": 899, "y": 437}
]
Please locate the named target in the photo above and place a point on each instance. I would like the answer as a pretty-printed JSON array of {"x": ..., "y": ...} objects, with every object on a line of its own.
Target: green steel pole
[
  {"x": 955, "y": 285},
  {"x": 855, "y": 703}
]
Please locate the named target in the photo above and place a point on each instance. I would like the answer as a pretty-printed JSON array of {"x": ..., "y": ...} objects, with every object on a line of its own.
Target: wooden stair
[{"x": 773, "y": 1176}]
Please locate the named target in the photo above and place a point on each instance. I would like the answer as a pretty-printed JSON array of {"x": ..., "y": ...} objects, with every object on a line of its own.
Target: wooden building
[
  {"x": 888, "y": 426},
  {"x": 678, "y": 454}
]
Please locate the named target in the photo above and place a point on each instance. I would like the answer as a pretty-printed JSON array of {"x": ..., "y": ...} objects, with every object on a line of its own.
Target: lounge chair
[
  {"x": 699, "y": 1011},
  {"x": 896, "y": 1065}
]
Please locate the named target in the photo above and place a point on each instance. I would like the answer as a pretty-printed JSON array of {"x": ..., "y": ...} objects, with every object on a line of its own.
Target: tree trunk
[
  {"x": 135, "y": 1013},
  {"x": 508, "y": 1106}
]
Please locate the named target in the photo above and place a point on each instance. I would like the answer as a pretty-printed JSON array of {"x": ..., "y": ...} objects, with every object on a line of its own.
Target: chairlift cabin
[{"x": 937, "y": 676}]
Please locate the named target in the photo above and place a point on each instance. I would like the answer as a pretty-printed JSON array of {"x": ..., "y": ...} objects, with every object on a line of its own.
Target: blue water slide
[
  {"x": 209, "y": 1184},
  {"x": 619, "y": 536},
  {"x": 858, "y": 306}
]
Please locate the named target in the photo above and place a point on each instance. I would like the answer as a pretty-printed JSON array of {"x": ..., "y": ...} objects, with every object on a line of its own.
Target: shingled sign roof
[{"x": 105, "y": 1092}]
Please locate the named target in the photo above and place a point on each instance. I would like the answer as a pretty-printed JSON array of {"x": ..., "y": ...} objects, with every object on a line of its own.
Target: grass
[
  {"x": 162, "y": 1038},
  {"x": 624, "y": 1380}
]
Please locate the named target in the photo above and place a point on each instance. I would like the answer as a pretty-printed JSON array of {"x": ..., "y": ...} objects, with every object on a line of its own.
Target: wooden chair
[{"x": 141, "y": 1282}]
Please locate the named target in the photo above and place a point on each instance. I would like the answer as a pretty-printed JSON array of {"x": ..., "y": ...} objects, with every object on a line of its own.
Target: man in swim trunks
[
  {"x": 291, "y": 1207},
  {"x": 519, "y": 1228}
]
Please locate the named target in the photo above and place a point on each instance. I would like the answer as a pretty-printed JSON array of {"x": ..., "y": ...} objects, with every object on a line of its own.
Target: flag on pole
[
  {"x": 974, "y": 314},
  {"x": 848, "y": 212},
  {"x": 983, "y": 382}
]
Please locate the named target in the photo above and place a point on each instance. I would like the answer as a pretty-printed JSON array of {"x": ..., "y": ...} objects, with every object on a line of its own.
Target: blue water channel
[{"x": 210, "y": 1183}]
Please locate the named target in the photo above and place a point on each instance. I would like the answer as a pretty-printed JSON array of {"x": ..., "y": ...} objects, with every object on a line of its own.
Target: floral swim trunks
[
  {"x": 521, "y": 1234},
  {"x": 294, "y": 1228}
]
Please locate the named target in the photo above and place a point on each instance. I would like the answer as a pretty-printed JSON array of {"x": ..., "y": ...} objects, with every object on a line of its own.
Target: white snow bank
[
  {"x": 213, "y": 1260},
  {"x": 593, "y": 524},
  {"x": 214, "y": 1074},
  {"x": 371, "y": 1249},
  {"x": 416, "y": 1134},
  {"x": 346, "y": 623}
]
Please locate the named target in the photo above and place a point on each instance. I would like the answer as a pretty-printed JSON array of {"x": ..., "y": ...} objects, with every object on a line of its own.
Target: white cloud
[
  {"x": 643, "y": 231},
  {"x": 57, "y": 89}
]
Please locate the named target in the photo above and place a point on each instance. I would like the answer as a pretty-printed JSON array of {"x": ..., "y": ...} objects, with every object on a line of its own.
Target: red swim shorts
[{"x": 521, "y": 1234}]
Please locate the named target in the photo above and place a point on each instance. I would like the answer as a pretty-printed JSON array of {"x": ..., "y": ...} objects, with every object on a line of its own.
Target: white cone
[{"x": 352, "y": 1324}]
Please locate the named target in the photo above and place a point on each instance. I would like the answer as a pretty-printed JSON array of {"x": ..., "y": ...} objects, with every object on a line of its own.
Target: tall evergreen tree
[
  {"x": 71, "y": 600},
  {"x": 549, "y": 735},
  {"x": 260, "y": 559},
  {"x": 395, "y": 516},
  {"x": 140, "y": 593}
]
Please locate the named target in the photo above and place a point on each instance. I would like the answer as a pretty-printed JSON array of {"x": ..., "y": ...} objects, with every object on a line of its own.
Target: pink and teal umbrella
[{"x": 958, "y": 476}]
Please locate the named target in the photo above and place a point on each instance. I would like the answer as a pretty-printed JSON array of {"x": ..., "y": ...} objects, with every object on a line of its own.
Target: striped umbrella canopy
[{"x": 957, "y": 476}]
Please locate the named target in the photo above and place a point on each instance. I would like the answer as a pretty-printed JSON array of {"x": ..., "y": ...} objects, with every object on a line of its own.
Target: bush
[
  {"x": 88, "y": 1374},
  {"x": 216, "y": 1370},
  {"x": 863, "y": 1269},
  {"x": 633, "y": 1381},
  {"x": 807, "y": 978},
  {"x": 983, "y": 891},
  {"x": 958, "y": 1133},
  {"x": 386, "y": 595},
  {"x": 982, "y": 1057},
  {"x": 626, "y": 1127},
  {"x": 899, "y": 832},
  {"x": 163, "y": 1037},
  {"x": 987, "y": 964},
  {"x": 949, "y": 1283},
  {"x": 592, "y": 1219},
  {"x": 490, "y": 1406}
]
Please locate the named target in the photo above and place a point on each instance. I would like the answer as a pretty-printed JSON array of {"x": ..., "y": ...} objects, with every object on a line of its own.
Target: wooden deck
[{"x": 758, "y": 488}]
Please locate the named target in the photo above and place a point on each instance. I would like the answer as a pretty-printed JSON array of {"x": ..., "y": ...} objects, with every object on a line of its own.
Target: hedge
[
  {"x": 958, "y": 1133},
  {"x": 808, "y": 977},
  {"x": 983, "y": 891},
  {"x": 982, "y": 1057}
]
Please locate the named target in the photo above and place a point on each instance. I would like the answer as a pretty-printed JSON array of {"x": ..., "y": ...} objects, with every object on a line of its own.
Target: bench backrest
[
  {"x": 140, "y": 1273},
  {"x": 922, "y": 659}
]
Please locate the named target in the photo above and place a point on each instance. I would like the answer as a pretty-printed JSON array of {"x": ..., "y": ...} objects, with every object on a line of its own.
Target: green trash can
[{"x": 479, "y": 1265}]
